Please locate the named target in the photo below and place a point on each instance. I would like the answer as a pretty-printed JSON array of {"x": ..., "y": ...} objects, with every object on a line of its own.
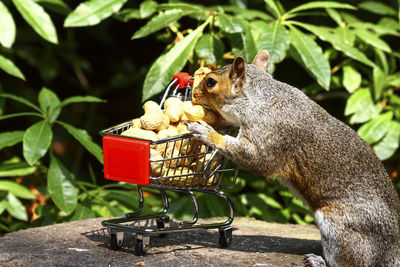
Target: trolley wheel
[
  {"x": 225, "y": 236},
  {"x": 116, "y": 240},
  {"x": 161, "y": 224},
  {"x": 140, "y": 249}
]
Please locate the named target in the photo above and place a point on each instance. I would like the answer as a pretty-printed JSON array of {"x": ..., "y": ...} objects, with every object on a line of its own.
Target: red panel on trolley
[{"x": 126, "y": 159}]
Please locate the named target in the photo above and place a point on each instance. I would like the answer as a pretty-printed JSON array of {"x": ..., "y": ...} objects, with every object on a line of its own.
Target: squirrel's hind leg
[{"x": 312, "y": 260}]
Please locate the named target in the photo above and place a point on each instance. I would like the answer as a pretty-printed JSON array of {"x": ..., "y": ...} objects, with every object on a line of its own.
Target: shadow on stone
[{"x": 197, "y": 239}]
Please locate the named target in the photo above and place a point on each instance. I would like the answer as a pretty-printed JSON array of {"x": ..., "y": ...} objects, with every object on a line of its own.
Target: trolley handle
[{"x": 181, "y": 80}]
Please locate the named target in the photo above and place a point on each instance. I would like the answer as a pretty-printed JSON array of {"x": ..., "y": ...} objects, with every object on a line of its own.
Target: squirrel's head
[{"x": 220, "y": 87}]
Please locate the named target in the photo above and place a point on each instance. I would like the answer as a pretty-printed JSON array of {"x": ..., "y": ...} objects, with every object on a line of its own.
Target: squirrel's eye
[{"x": 211, "y": 82}]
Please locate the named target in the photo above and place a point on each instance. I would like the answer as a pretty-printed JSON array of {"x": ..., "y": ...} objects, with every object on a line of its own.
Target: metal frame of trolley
[{"x": 127, "y": 159}]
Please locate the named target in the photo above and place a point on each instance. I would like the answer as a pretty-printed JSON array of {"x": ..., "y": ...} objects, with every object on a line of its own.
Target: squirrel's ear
[
  {"x": 261, "y": 60},
  {"x": 238, "y": 74}
]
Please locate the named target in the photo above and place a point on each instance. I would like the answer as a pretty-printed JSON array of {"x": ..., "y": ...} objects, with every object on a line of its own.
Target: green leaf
[
  {"x": 159, "y": 22},
  {"x": 243, "y": 43},
  {"x": 7, "y": 27},
  {"x": 375, "y": 129},
  {"x": 16, "y": 169},
  {"x": 380, "y": 29},
  {"x": 39, "y": 20},
  {"x": 36, "y": 141},
  {"x": 128, "y": 14},
  {"x": 346, "y": 35},
  {"x": 20, "y": 114},
  {"x": 2, "y": 102},
  {"x": 390, "y": 143},
  {"x": 57, "y": 6},
  {"x": 49, "y": 104},
  {"x": 239, "y": 3},
  {"x": 298, "y": 219},
  {"x": 394, "y": 99},
  {"x": 92, "y": 12},
  {"x": 162, "y": 70},
  {"x": 3, "y": 206},
  {"x": 379, "y": 82},
  {"x": 351, "y": 78},
  {"x": 377, "y": 7},
  {"x": 16, "y": 208},
  {"x": 210, "y": 48},
  {"x": 8, "y": 139},
  {"x": 271, "y": 5},
  {"x": 115, "y": 211},
  {"x": 381, "y": 60},
  {"x": 123, "y": 197},
  {"x": 270, "y": 201},
  {"x": 83, "y": 137},
  {"x": 21, "y": 100},
  {"x": 297, "y": 206},
  {"x": 147, "y": 8},
  {"x": 9, "y": 67},
  {"x": 393, "y": 80},
  {"x": 349, "y": 18},
  {"x": 373, "y": 40},
  {"x": 61, "y": 186},
  {"x": 312, "y": 57},
  {"x": 388, "y": 24},
  {"x": 325, "y": 35},
  {"x": 182, "y": 6},
  {"x": 319, "y": 4},
  {"x": 47, "y": 213},
  {"x": 248, "y": 14},
  {"x": 16, "y": 189},
  {"x": 227, "y": 24},
  {"x": 362, "y": 106},
  {"x": 335, "y": 15},
  {"x": 271, "y": 36},
  {"x": 80, "y": 99},
  {"x": 262, "y": 209},
  {"x": 82, "y": 212}
]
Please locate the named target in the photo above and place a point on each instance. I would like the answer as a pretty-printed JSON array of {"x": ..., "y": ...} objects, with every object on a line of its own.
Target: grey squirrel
[{"x": 324, "y": 162}]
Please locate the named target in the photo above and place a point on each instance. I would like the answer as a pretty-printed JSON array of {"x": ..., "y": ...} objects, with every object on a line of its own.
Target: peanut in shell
[
  {"x": 173, "y": 109},
  {"x": 194, "y": 113},
  {"x": 157, "y": 168},
  {"x": 136, "y": 123},
  {"x": 140, "y": 133},
  {"x": 151, "y": 106},
  {"x": 152, "y": 120}
]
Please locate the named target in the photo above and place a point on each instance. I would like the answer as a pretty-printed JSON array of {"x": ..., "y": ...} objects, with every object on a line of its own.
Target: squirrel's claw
[
  {"x": 200, "y": 131},
  {"x": 199, "y": 128}
]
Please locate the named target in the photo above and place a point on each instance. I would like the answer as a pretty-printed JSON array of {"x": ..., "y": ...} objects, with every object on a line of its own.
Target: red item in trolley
[{"x": 127, "y": 159}]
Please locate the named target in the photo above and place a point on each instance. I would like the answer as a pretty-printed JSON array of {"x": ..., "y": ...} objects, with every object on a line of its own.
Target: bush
[{"x": 58, "y": 68}]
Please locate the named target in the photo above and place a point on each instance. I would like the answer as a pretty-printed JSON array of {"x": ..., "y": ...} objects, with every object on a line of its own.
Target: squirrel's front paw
[
  {"x": 207, "y": 134},
  {"x": 200, "y": 131}
]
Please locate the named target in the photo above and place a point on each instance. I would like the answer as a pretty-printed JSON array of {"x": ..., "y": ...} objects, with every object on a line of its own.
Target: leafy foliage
[{"x": 342, "y": 54}]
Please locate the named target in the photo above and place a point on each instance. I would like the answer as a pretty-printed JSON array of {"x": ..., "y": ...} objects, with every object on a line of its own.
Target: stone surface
[{"x": 86, "y": 243}]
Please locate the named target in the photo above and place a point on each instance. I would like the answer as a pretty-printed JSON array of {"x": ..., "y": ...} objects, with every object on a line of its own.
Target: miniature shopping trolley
[{"x": 189, "y": 166}]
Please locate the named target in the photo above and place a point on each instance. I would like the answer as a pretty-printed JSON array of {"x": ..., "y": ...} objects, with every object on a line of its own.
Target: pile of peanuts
[{"x": 178, "y": 158}]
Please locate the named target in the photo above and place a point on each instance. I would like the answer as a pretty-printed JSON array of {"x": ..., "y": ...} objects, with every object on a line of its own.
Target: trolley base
[{"x": 145, "y": 226}]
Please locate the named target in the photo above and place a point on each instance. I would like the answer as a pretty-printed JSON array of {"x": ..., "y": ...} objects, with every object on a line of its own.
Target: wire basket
[{"x": 186, "y": 163}]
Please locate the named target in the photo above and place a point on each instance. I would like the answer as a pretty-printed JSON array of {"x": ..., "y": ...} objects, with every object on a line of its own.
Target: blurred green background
[{"x": 69, "y": 69}]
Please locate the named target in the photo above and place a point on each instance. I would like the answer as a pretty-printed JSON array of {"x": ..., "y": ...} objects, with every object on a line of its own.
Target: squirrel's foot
[{"x": 312, "y": 260}]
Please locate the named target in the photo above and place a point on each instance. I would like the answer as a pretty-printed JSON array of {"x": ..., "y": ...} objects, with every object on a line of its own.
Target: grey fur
[{"x": 283, "y": 133}]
